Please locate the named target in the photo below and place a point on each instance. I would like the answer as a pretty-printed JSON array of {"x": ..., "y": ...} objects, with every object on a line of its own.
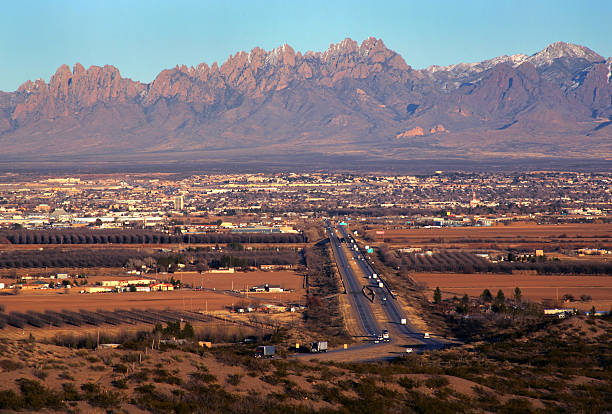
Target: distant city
[{"x": 277, "y": 202}]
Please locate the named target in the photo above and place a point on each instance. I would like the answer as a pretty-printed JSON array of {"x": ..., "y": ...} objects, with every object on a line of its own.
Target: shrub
[
  {"x": 36, "y": 396},
  {"x": 436, "y": 382},
  {"x": 39, "y": 373},
  {"x": 120, "y": 383},
  {"x": 70, "y": 392},
  {"x": 409, "y": 383},
  {"x": 234, "y": 379},
  {"x": 10, "y": 365},
  {"x": 140, "y": 376},
  {"x": 120, "y": 368},
  {"x": 65, "y": 375},
  {"x": 98, "y": 397},
  {"x": 203, "y": 377},
  {"x": 9, "y": 400},
  {"x": 161, "y": 375}
]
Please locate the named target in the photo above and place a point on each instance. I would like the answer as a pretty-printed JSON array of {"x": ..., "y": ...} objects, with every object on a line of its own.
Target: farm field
[
  {"x": 515, "y": 233},
  {"x": 184, "y": 299},
  {"x": 108, "y": 331},
  {"x": 150, "y": 247},
  {"x": 533, "y": 287},
  {"x": 178, "y": 299},
  {"x": 287, "y": 279}
]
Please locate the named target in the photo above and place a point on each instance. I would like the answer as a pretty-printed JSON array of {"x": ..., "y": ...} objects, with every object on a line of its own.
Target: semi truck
[
  {"x": 267, "y": 351},
  {"x": 320, "y": 346}
]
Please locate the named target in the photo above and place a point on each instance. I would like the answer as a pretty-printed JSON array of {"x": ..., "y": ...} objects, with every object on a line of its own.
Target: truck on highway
[
  {"x": 385, "y": 335},
  {"x": 320, "y": 346},
  {"x": 380, "y": 284},
  {"x": 266, "y": 351},
  {"x": 426, "y": 335}
]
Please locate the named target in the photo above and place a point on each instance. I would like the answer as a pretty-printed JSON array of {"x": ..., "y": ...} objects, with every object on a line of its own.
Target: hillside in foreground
[{"x": 554, "y": 367}]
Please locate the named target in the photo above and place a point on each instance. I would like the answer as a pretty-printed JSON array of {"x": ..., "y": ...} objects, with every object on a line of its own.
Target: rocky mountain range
[{"x": 353, "y": 100}]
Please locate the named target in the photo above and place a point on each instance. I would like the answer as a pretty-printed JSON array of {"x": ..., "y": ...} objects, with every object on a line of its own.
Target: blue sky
[{"x": 143, "y": 37}]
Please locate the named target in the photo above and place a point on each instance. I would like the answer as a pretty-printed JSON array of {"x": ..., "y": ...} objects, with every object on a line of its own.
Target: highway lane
[
  {"x": 353, "y": 287},
  {"x": 391, "y": 305}
]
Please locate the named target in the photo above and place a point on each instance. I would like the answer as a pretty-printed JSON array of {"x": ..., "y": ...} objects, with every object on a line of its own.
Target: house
[
  {"x": 35, "y": 285},
  {"x": 140, "y": 282},
  {"x": 113, "y": 283},
  {"x": 109, "y": 346},
  {"x": 559, "y": 313},
  {"x": 97, "y": 289},
  {"x": 162, "y": 287},
  {"x": 267, "y": 288},
  {"x": 276, "y": 308},
  {"x": 222, "y": 270},
  {"x": 276, "y": 267},
  {"x": 274, "y": 288}
]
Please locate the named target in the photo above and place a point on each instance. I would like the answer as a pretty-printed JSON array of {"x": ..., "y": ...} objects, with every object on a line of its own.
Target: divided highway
[
  {"x": 389, "y": 303},
  {"x": 353, "y": 287}
]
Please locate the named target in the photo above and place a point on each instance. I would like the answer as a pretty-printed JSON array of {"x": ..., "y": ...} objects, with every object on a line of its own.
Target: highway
[
  {"x": 390, "y": 305},
  {"x": 353, "y": 287}
]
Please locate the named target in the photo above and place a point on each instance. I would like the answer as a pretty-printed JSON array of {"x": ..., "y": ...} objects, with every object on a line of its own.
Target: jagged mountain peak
[
  {"x": 467, "y": 69},
  {"x": 350, "y": 93},
  {"x": 559, "y": 50},
  {"x": 544, "y": 57}
]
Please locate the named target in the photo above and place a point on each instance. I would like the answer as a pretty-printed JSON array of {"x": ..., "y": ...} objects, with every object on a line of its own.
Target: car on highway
[{"x": 385, "y": 335}]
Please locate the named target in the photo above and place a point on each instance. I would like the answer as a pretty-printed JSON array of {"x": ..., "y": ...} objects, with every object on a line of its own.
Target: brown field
[
  {"x": 144, "y": 247},
  {"x": 533, "y": 287},
  {"x": 287, "y": 279},
  {"x": 524, "y": 236},
  {"x": 185, "y": 299},
  {"x": 179, "y": 299},
  {"x": 513, "y": 231},
  {"x": 92, "y": 278},
  {"x": 33, "y": 271}
]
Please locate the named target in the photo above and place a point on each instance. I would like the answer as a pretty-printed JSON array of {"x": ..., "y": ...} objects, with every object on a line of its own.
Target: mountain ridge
[{"x": 363, "y": 98}]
